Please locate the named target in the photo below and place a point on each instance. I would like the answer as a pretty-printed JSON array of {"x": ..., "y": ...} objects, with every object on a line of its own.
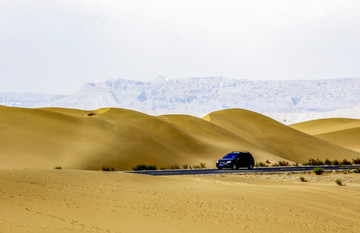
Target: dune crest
[
  {"x": 277, "y": 138},
  {"x": 340, "y": 131},
  {"x": 121, "y": 138}
]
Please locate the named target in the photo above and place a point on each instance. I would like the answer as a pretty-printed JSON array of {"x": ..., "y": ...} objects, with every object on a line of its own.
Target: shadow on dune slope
[
  {"x": 120, "y": 138},
  {"x": 340, "y": 131},
  {"x": 277, "y": 138}
]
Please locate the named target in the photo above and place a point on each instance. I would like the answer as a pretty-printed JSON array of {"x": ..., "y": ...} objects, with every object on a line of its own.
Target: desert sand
[
  {"x": 121, "y": 138},
  {"x": 340, "y": 131},
  {"x": 35, "y": 197},
  {"x": 49, "y": 200}
]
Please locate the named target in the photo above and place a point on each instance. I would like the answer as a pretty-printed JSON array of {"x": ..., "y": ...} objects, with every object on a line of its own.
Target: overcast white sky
[{"x": 56, "y": 46}]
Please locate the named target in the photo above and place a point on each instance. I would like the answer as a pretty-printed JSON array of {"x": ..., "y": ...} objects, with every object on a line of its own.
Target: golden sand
[
  {"x": 340, "y": 131},
  {"x": 277, "y": 138},
  {"x": 34, "y": 197},
  {"x": 35, "y": 200},
  {"x": 122, "y": 139}
]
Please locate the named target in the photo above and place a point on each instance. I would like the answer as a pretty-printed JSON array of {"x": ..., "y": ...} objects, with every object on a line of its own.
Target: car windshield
[{"x": 230, "y": 156}]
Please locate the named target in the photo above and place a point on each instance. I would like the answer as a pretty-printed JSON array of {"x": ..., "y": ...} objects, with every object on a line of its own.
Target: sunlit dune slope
[
  {"x": 41, "y": 138},
  {"x": 120, "y": 138},
  {"x": 340, "y": 131},
  {"x": 168, "y": 140},
  {"x": 212, "y": 134},
  {"x": 328, "y": 125},
  {"x": 116, "y": 138},
  {"x": 277, "y": 138}
]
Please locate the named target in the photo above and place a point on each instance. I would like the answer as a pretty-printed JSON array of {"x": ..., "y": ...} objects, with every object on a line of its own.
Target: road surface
[{"x": 255, "y": 170}]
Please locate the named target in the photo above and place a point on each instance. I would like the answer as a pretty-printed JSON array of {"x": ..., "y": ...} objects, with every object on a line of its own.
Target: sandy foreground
[{"x": 33, "y": 200}]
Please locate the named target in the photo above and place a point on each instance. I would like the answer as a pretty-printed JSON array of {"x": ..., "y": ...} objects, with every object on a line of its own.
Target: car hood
[{"x": 224, "y": 160}]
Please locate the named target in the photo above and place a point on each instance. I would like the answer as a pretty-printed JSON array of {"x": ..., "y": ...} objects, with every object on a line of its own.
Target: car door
[{"x": 243, "y": 161}]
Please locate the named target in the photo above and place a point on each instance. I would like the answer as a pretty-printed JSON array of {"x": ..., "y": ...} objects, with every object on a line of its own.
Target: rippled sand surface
[{"x": 37, "y": 200}]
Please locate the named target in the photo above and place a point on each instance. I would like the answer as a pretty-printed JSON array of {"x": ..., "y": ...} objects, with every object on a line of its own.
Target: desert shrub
[
  {"x": 283, "y": 163},
  {"x": 345, "y": 162},
  {"x": 280, "y": 163},
  {"x": 335, "y": 162},
  {"x": 313, "y": 162},
  {"x": 347, "y": 170},
  {"x": 318, "y": 170},
  {"x": 302, "y": 179},
  {"x": 339, "y": 182},
  {"x": 91, "y": 114},
  {"x": 356, "y": 170},
  {"x": 141, "y": 167},
  {"x": 185, "y": 166},
  {"x": 58, "y": 167},
  {"x": 327, "y": 162},
  {"x": 267, "y": 161},
  {"x": 151, "y": 167},
  {"x": 295, "y": 164},
  {"x": 201, "y": 165},
  {"x": 175, "y": 166},
  {"x": 309, "y": 162},
  {"x": 319, "y": 162},
  {"x": 108, "y": 169},
  {"x": 356, "y": 161},
  {"x": 261, "y": 164}
]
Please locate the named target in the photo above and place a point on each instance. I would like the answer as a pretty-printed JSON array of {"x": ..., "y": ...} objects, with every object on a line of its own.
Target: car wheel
[
  {"x": 251, "y": 166},
  {"x": 234, "y": 167}
]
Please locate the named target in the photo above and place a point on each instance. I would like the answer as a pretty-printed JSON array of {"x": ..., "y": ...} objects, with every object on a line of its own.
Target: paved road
[{"x": 255, "y": 170}]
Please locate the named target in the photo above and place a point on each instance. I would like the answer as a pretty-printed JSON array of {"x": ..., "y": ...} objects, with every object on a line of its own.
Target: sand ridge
[
  {"x": 121, "y": 138},
  {"x": 277, "y": 138},
  {"x": 340, "y": 131}
]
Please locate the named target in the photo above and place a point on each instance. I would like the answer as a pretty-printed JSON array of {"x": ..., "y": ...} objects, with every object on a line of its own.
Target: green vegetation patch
[
  {"x": 356, "y": 170},
  {"x": 315, "y": 162},
  {"x": 261, "y": 164},
  {"x": 312, "y": 162},
  {"x": 318, "y": 170},
  {"x": 339, "y": 182},
  {"x": 281, "y": 164},
  {"x": 356, "y": 161}
]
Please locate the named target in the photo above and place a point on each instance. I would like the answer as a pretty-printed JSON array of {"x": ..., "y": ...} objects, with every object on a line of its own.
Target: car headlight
[{"x": 228, "y": 162}]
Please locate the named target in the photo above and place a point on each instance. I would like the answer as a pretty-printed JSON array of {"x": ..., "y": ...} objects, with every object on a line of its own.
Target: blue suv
[{"x": 235, "y": 160}]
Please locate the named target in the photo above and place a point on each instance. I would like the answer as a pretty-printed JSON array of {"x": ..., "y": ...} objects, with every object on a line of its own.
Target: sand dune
[
  {"x": 120, "y": 138},
  {"x": 340, "y": 131},
  {"x": 277, "y": 138},
  {"x": 41, "y": 138},
  {"x": 49, "y": 200},
  {"x": 328, "y": 125},
  {"x": 38, "y": 200}
]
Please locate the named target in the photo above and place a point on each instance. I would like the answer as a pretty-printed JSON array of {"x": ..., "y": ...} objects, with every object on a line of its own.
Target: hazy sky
[{"x": 56, "y": 46}]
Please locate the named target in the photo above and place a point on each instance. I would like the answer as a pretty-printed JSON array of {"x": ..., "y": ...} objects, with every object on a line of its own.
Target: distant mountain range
[{"x": 197, "y": 96}]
